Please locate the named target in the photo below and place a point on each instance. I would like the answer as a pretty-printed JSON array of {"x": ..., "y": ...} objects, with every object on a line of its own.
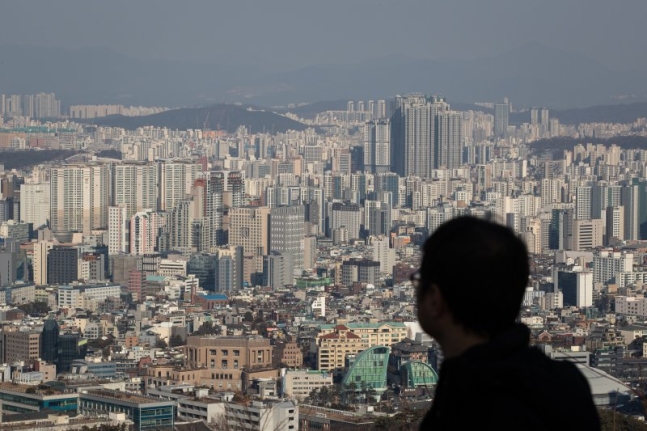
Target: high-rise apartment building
[
  {"x": 501, "y": 118},
  {"x": 135, "y": 185},
  {"x": 425, "y": 135},
  {"x": 144, "y": 231},
  {"x": 346, "y": 215},
  {"x": 176, "y": 179},
  {"x": 118, "y": 226},
  {"x": 377, "y": 146},
  {"x": 615, "y": 224},
  {"x": 79, "y": 198},
  {"x": 35, "y": 203}
]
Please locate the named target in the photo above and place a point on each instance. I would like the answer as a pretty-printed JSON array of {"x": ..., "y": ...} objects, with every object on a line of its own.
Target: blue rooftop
[{"x": 215, "y": 297}]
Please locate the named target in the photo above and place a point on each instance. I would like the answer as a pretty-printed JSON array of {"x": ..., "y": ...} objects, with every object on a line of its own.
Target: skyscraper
[
  {"x": 287, "y": 229},
  {"x": 377, "y": 143},
  {"x": 425, "y": 135},
  {"x": 249, "y": 228},
  {"x": 501, "y": 118},
  {"x": 49, "y": 341}
]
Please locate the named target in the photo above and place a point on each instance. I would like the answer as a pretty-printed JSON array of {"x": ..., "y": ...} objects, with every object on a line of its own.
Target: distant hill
[
  {"x": 567, "y": 143},
  {"x": 16, "y": 159},
  {"x": 218, "y": 117},
  {"x": 310, "y": 110},
  {"x": 530, "y": 75},
  {"x": 613, "y": 113}
]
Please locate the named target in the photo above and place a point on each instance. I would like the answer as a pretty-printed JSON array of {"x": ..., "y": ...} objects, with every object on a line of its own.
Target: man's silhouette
[{"x": 469, "y": 290}]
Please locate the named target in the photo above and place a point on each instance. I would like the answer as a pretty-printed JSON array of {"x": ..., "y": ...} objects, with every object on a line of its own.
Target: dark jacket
[{"x": 506, "y": 385}]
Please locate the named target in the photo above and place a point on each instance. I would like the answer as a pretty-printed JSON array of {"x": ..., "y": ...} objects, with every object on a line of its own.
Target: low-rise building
[{"x": 299, "y": 383}]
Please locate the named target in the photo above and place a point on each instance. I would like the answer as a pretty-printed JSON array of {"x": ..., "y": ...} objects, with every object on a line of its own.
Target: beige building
[
  {"x": 287, "y": 353},
  {"x": 587, "y": 234},
  {"x": 334, "y": 346},
  {"x": 223, "y": 359},
  {"x": 249, "y": 228},
  {"x": 39, "y": 261},
  {"x": 335, "y": 342},
  {"x": 299, "y": 383},
  {"x": 375, "y": 334},
  {"x": 20, "y": 346}
]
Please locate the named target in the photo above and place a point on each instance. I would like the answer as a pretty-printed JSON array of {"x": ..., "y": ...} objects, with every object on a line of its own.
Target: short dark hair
[{"x": 481, "y": 269}]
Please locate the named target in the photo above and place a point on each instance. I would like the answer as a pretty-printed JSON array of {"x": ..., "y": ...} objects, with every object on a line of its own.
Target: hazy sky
[{"x": 288, "y": 34}]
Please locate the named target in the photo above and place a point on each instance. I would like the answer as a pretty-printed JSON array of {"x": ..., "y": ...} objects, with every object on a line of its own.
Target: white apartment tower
[
  {"x": 118, "y": 224},
  {"x": 144, "y": 227},
  {"x": 176, "y": 179},
  {"x": 377, "y": 146},
  {"x": 135, "y": 185},
  {"x": 34, "y": 203},
  {"x": 79, "y": 197}
]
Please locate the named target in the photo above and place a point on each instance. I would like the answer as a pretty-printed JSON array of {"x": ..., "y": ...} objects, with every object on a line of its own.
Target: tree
[
  {"x": 610, "y": 420},
  {"x": 161, "y": 344},
  {"x": 38, "y": 307},
  {"x": 208, "y": 328},
  {"x": 175, "y": 341}
]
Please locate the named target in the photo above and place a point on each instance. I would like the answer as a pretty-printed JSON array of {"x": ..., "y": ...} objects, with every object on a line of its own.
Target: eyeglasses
[{"x": 415, "y": 279}]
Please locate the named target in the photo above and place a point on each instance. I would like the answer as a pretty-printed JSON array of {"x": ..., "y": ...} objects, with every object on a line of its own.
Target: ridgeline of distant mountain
[
  {"x": 616, "y": 113},
  {"x": 16, "y": 159},
  {"x": 218, "y": 117},
  {"x": 567, "y": 143},
  {"x": 530, "y": 75}
]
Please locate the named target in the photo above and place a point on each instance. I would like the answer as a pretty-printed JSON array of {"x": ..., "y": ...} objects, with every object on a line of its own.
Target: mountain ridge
[{"x": 530, "y": 75}]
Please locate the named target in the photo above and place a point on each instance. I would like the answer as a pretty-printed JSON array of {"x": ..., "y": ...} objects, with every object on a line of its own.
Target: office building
[
  {"x": 287, "y": 229},
  {"x": 39, "y": 261},
  {"x": 299, "y": 383},
  {"x": 62, "y": 265},
  {"x": 147, "y": 413},
  {"x": 249, "y": 229},
  {"x": 49, "y": 341},
  {"x": 278, "y": 270},
  {"x": 20, "y": 346}
]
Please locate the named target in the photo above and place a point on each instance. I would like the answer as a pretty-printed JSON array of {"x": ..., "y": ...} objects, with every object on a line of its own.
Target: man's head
[{"x": 473, "y": 274}]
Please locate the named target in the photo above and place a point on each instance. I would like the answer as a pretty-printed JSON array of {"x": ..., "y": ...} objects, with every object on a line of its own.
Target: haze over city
[
  {"x": 288, "y": 51},
  {"x": 234, "y": 215}
]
